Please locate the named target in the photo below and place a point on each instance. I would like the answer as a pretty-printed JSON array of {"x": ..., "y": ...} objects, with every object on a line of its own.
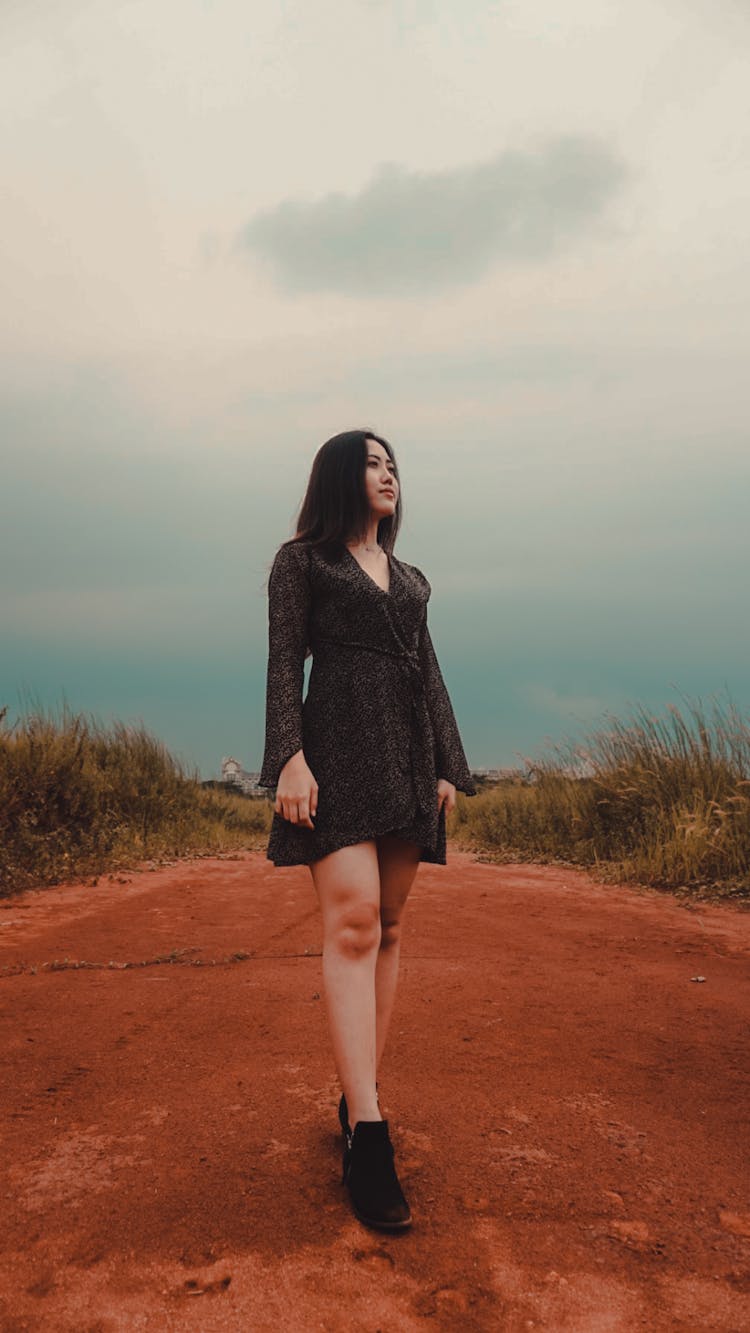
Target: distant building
[{"x": 233, "y": 772}]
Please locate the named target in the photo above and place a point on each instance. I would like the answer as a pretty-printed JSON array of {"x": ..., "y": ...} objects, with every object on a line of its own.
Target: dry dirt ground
[{"x": 569, "y": 1107}]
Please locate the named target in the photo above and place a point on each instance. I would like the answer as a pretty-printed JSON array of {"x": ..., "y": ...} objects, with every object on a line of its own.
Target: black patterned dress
[{"x": 376, "y": 726}]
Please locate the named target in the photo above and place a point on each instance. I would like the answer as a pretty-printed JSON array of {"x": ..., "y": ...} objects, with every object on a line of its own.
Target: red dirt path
[{"x": 569, "y": 1109}]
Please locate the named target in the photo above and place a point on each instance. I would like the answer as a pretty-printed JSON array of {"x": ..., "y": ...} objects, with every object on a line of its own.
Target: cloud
[{"x": 410, "y": 231}]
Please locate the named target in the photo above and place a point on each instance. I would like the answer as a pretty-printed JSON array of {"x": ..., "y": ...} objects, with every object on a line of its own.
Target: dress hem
[{"x": 428, "y": 852}]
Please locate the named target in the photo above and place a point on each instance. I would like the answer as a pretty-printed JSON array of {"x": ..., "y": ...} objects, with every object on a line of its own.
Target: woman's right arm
[{"x": 284, "y": 765}]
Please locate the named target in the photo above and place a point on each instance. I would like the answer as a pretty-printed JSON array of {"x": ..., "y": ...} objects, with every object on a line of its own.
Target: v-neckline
[{"x": 387, "y": 592}]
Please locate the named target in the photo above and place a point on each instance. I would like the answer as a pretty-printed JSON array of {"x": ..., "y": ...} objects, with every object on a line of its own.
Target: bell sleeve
[
  {"x": 288, "y": 622},
  {"x": 450, "y": 760}
]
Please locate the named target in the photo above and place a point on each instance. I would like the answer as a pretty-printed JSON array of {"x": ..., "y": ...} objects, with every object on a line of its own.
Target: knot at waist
[{"x": 408, "y": 660}]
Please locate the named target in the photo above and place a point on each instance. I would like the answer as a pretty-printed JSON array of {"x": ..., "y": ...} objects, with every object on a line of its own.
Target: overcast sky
[{"x": 510, "y": 237}]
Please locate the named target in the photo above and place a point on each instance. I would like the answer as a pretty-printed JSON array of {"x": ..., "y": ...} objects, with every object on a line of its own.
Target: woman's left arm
[{"x": 450, "y": 759}]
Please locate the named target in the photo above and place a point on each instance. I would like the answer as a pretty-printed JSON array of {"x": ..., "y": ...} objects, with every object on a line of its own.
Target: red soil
[{"x": 569, "y": 1108}]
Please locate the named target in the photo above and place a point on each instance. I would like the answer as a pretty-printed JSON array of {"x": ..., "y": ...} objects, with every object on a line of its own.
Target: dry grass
[
  {"x": 77, "y": 798},
  {"x": 657, "y": 801}
]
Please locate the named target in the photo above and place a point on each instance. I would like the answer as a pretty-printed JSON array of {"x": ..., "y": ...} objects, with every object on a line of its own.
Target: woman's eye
[{"x": 374, "y": 461}]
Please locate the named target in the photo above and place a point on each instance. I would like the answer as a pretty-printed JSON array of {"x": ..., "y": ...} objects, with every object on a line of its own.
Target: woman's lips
[{"x": 391, "y": 493}]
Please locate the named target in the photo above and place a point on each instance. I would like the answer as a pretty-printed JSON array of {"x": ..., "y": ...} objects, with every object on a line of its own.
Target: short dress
[{"x": 376, "y": 726}]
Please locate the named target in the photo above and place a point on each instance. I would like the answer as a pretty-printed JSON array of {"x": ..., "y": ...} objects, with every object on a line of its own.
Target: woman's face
[{"x": 380, "y": 480}]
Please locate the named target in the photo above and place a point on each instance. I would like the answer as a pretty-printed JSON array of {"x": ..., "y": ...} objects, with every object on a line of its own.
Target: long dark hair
[{"x": 335, "y": 508}]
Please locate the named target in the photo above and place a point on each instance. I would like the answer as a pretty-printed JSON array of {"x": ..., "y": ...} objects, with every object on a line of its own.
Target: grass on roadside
[
  {"x": 663, "y": 802},
  {"x": 78, "y": 798},
  {"x": 657, "y": 801}
]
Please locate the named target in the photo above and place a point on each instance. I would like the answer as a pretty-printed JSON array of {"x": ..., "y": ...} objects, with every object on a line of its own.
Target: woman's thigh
[
  {"x": 347, "y": 882},
  {"x": 398, "y": 861}
]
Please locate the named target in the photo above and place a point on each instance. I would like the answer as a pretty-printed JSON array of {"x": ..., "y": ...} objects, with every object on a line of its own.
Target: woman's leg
[
  {"x": 348, "y": 887},
  {"x": 398, "y": 861}
]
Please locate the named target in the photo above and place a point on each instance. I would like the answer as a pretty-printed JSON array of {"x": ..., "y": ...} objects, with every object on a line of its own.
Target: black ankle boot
[{"x": 369, "y": 1173}]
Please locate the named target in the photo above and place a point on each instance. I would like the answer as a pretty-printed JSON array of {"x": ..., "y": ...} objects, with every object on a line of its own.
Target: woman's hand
[
  {"x": 446, "y": 792},
  {"x": 297, "y": 792}
]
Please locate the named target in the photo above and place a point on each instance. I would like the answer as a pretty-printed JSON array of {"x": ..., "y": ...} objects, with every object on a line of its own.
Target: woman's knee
[
  {"x": 355, "y": 930},
  {"x": 390, "y": 929}
]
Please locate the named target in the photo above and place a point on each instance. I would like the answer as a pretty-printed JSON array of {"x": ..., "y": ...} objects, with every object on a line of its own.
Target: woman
[{"x": 365, "y": 769}]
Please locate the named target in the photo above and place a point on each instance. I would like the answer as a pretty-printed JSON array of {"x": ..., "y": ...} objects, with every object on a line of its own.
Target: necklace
[{"x": 362, "y": 546}]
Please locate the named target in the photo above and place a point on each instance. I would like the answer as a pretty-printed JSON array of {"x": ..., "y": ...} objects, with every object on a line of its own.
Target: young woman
[{"x": 365, "y": 768}]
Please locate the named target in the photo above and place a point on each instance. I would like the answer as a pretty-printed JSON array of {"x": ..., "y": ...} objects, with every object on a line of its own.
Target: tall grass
[
  {"x": 659, "y": 801},
  {"x": 78, "y": 798},
  {"x": 662, "y": 801}
]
